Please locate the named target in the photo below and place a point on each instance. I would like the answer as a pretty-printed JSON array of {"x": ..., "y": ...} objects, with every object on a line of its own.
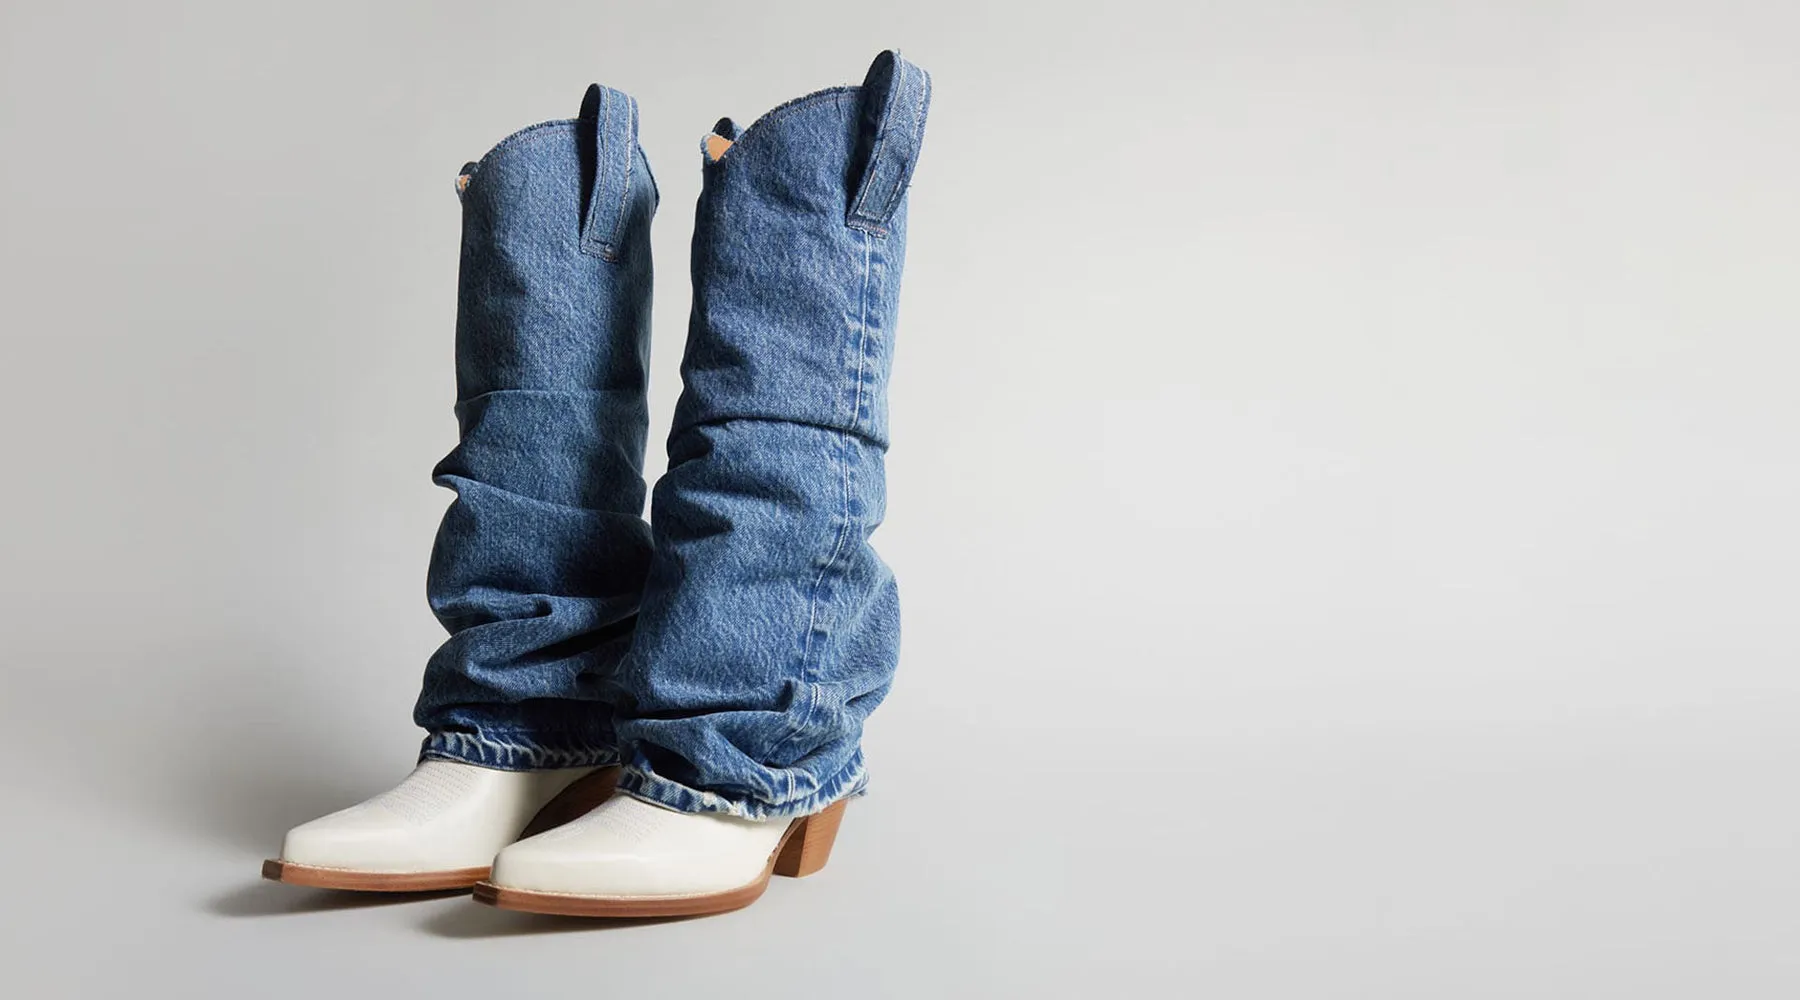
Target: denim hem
[
  {"x": 514, "y": 751},
  {"x": 639, "y": 781}
]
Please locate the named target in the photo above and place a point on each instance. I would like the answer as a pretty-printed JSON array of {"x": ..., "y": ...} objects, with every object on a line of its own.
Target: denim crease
[
  {"x": 539, "y": 563},
  {"x": 770, "y": 628},
  {"x": 728, "y": 652}
]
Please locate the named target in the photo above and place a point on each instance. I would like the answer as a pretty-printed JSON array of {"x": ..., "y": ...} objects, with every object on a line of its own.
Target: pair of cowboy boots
[{"x": 634, "y": 719}]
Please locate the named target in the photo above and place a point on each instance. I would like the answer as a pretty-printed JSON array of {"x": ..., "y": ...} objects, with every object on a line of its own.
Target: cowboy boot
[
  {"x": 769, "y": 628},
  {"x": 540, "y": 561}
]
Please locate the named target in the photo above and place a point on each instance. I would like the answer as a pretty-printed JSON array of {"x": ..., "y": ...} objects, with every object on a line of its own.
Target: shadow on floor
[
  {"x": 478, "y": 921},
  {"x": 272, "y": 899}
]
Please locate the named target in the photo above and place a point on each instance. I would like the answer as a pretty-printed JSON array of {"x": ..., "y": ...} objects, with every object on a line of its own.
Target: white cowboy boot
[
  {"x": 438, "y": 829},
  {"x": 632, "y": 858},
  {"x": 769, "y": 628}
]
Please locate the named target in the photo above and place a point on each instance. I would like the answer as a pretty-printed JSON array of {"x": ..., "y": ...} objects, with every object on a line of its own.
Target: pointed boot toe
[
  {"x": 436, "y": 830},
  {"x": 632, "y": 858}
]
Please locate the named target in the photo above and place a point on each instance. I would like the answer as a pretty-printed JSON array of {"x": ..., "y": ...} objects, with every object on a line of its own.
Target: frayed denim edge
[
  {"x": 638, "y": 781},
  {"x": 505, "y": 755}
]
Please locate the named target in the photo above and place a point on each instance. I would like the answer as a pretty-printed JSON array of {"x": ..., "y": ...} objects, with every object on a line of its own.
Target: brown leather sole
[
  {"x": 361, "y": 881},
  {"x": 803, "y": 850},
  {"x": 582, "y": 795}
]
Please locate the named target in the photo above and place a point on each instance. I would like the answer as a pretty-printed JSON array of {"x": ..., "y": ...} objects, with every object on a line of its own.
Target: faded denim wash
[
  {"x": 769, "y": 628},
  {"x": 540, "y": 561}
]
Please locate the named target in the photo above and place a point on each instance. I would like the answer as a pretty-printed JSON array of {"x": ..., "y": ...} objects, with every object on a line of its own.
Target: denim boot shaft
[
  {"x": 540, "y": 561},
  {"x": 770, "y": 628}
]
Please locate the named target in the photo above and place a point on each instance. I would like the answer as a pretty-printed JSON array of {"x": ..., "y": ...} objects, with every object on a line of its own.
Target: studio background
[{"x": 1342, "y": 493}]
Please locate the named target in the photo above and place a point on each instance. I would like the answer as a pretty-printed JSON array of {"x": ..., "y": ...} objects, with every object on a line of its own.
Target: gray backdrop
[{"x": 1343, "y": 493}]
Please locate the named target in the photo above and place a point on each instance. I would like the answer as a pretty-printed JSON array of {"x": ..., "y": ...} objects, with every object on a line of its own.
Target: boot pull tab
[
  {"x": 895, "y": 98},
  {"x": 615, "y": 118}
]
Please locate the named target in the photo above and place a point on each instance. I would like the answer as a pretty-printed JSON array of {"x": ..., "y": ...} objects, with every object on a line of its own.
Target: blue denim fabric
[
  {"x": 768, "y": 628},
  {"x": 540, "y": 561}
]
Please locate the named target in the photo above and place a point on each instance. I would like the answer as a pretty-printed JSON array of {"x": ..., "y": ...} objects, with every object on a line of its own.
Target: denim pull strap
[
  {"x": 615, "y": 118},
  {"x": 896, "y": 97}
]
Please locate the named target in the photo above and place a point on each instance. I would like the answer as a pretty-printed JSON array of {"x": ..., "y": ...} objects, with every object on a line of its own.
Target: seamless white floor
[
  {"x": 1343, "y": 494},
  {"x": 1559, "y": 858}
]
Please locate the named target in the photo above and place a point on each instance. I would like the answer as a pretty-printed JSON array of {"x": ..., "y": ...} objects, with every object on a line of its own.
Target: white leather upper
[
  {"x": 446, "y": 815},
  {"x": 630, "y": 847}
]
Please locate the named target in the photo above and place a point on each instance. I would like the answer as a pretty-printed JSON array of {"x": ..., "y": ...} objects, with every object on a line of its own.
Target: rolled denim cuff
[
  {"x": 639, "y": 779},
  {"x": 509, "y": 750}
]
